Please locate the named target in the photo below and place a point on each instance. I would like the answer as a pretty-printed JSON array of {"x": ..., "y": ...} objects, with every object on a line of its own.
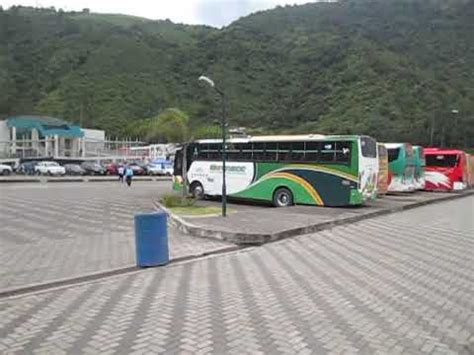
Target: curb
[
  {"x": 262, "y": 238},
  {"x": 97, "y": 276},
  {"x": 188, "y": 228}
]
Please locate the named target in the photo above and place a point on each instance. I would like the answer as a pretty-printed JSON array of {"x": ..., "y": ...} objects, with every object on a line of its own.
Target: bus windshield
[
  {"x": 393, "y": 154},
  {"x": 178, "y": 162},
  {"x": 442, "y": 160},
  {"x": 368, "y": 147}
]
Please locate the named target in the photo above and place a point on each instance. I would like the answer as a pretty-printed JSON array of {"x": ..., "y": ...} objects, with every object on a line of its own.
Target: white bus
[{"x": 285, "y": 170}]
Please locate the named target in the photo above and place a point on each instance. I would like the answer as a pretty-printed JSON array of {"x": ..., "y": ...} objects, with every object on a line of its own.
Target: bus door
[{"x": 178, "y": 170}]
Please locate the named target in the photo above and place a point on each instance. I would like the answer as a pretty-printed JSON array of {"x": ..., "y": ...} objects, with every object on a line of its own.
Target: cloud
[
  {"x": 219, "y": 13},
  {"x": 222, "y": 12},
  {"x": 210, "y": 12}
]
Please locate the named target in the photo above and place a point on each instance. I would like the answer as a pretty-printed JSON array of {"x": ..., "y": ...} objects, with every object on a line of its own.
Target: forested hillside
[{"x": 389, "y": 68}]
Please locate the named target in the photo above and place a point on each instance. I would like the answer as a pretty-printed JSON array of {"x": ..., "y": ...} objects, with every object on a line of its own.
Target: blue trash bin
[{"x": 151, "y": 239}]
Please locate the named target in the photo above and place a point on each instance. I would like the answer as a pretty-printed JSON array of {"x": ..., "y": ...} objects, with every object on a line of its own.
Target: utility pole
[
  {"x": 81, "y": 114},
  {"x": 224, "y": 156},
  {"x": 184, "y": 169},
  {"x": 224, "y": 135},
  {"x": 432, "y": 128}
]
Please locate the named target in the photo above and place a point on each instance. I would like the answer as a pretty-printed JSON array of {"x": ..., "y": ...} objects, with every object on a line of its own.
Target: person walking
[
  {"x": 128, "y": 175},
  {"x": 121, "y": 172}
]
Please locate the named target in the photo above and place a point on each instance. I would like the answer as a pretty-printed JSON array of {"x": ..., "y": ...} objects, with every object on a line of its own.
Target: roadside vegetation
[
  {"x": 392, "y": 69},
  {"x": 187, "y": 206}
]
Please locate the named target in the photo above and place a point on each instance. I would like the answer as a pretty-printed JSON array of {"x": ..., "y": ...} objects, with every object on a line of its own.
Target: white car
[
  {"x": 5, "y": 169},
  {"x": 49, "y": 168},
  {"x": 154, "y": 169},
  {"x": 159, "y": 169},
  {"x": 169, "y": 170}
]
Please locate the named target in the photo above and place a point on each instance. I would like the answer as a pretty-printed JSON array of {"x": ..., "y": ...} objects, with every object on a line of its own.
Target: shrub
[{"x": 170, "y": 201}]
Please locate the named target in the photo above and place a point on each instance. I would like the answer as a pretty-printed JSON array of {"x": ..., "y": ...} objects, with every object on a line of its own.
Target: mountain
[{"x": 389, "y": 68}]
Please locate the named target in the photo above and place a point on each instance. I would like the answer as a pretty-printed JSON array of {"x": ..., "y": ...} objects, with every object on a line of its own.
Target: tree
[
  {"x": 171, "y": 125},
  {"x": 206, "y": 131},
  {"x": 350, "y": 66}
]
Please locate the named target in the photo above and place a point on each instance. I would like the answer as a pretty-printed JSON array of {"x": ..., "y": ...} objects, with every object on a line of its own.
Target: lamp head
[{"x": 207, "y": 80}]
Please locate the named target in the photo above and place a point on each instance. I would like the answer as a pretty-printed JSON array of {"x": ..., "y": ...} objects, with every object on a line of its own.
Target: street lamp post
[
  {"x": 224, "y": 134},
  {"x": 454, "y": 127},
  {"x": 454, "y": 112}
]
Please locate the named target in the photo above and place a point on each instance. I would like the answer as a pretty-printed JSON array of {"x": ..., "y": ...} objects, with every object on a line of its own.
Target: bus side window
[
  {"x": 195, "y": 151},
  {"x": 270, "y": 151},
  {"x": 233, "y": 152},
  {"x": 284, "y": 151},
  {"x": 258, "y": 151},
  {"x": 203, "y": 151},
  {"x": 214, "y": 152},
  {"x": 245, "y": 151},
  {"x": 297, "y": 152},
  {"x": 312, "y": 151},
  {"x": 343, "y": 152},
  {"x": 328, "y": 152}
]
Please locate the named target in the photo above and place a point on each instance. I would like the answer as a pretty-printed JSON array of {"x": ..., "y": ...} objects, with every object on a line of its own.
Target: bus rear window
[
  {"x": 382, "y": 151},
  {"x": 442, "y": 160},
  {"x": 393, "y": 154},
  {"x": 368, "y": 147}
]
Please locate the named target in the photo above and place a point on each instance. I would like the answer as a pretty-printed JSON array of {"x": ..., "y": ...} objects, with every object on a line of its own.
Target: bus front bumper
[{"x": 358, "y": 197}]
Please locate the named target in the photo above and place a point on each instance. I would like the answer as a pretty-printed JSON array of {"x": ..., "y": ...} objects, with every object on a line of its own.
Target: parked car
[
  {"x": 93, "y": 168},
  {"x": 74, "y": 169},
  {"x": 5, "y": 169},
  {"x": 112, "y": 169},
  {"x": 137, "y": 169},
  {"x": 27, "y": 168},
  {"x": 154, "y": 169},
  {"x": 49, "y": 168},
  {"x": 169, "y": 169},
  {"x": 159, "y": 169}
]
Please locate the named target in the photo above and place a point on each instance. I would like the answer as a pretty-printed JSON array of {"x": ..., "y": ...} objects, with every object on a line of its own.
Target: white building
[{"x": 39, "y": 136}]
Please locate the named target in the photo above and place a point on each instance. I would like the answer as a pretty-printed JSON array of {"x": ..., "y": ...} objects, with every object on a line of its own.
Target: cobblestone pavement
[
  {"x": 401, "y": 283},
  {"x": 261, "y": 219},
  {"x": 55, "y": 231}
]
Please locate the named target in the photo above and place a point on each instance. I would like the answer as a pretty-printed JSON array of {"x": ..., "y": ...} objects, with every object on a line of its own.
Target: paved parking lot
[
  {"x": 398, "y": 284},
  {"x": 63, "y": 230},
  {"x": 252, "y": 223}
]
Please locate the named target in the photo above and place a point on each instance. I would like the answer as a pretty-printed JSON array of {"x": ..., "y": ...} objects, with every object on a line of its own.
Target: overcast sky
[{"x": 209, "y": 12}]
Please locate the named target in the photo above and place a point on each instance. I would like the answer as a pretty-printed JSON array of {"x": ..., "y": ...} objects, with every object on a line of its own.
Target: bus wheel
[
  {"x": 282, "y": 198},
  {"x": 197, "y": 191}
]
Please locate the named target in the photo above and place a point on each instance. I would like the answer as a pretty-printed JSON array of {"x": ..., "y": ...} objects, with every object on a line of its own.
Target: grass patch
[
  {"x": 196, "y": 210},
  {"x": 171, "y": 201}
]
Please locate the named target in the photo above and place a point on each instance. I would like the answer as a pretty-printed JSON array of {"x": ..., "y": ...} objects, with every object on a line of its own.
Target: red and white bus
[
  {"x": 446, "y": 169},
  {"x": 470, "y": 160}
]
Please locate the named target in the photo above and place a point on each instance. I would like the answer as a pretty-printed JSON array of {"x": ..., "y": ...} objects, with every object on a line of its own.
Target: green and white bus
[
  {"x": 285, "y": 170},
  {"x": 401, "y": 165},
  {"x": 420, "y": 163}
]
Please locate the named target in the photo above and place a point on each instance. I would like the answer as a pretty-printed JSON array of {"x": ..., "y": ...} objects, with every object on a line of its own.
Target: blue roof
[{"x": 47, "y": 126}]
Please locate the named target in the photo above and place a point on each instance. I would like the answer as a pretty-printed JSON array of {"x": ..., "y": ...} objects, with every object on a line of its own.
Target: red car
[
  {"x": 137, "y": 169},
  {"x": 112, "y": 169}
]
